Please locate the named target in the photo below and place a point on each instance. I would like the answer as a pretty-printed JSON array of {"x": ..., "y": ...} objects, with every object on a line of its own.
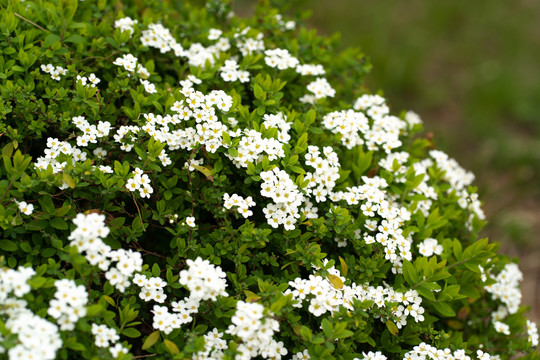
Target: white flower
[{"x": 190, "y": 221}]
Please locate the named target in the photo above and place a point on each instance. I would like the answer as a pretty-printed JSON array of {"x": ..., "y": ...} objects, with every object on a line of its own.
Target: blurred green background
[{"x": 471, "y": 69}]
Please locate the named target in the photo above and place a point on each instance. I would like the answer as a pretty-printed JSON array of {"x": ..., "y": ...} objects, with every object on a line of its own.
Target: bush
[{"x": 178, "y": 182}]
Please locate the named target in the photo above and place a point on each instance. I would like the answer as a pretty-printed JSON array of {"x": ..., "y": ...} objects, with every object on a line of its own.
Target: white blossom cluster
[
  {"x": 385, "y": 218},
  {"x": 56, "y": 149},
  {"x": 106, "y": 337},
  {"x": 355, "y": 128},
  {"x": 286, "y": 198},
  {"x": 239, "y": 203},
  {"x": 55, "y": 72},
  {"x": 151, "y": 288},
  {"x": 430, "y": 246},
  {"x": 310, "y": 70},
  {"x": 90, "y": 132},
  {"x": 321, "y": 88},
  {"x": 131, "y": 64},
  {"x": 280, "y": 59},
  {"x": 140, "y": 182},
  {"x": 256, "y": 330},
  {"x": 253, "y": 147},
  {"x": 201, "y": 108},
  {"x": 532, "y": 331},
  {"x": 213, "y": 346},
  {"x": 204, "y": 280},
  {"x": 372, "y": 356},
  {"x": 69, "y": 303},
  {"x": 125, "y": 24},
  {"x": 278, "y": 121},
  {"x": 285, "y": 25},
  {"x": 230, "y": 72},
  {"x": 506, "y": 287},
  {"x": 323, "y": 179},
  {"x": 329, "y": 294},
  {"x": 14, "y": 281},
  {"x": 160, "y": 38},
  {"x": 427, "y": 352},
  {"x": 301, "y": 355},
  {"x": 459, "y": 179},
  {"x": 87, "y": 238},
  {"x": 37, "y": 337},
  {"x": 91, "y": 81},
  {"x": 249, "y": 45}
]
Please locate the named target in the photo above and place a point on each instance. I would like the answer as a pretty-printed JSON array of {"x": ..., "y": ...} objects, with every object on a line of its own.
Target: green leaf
[
  {"x": 109, "y": 300},
  {"x": 409, "y": 272},
  {"x": 68, "y": 180},
  {"x": 8, "y": 245},
  {"x": 392, "y": 327},
  {"x": 131, "y": 332},
  {"x": 50, "y": 39},
  {"x": 59, "y": 223},
  {"x": 151, "y": 340},
  {"x": 173, "y": 349},
  {"x": 444, "y": 309}
]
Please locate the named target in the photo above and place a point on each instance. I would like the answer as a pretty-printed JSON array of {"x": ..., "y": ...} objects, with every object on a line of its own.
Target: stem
[
  {"x": 30, "y": 22},
  {"x": 139, "y": 211}
]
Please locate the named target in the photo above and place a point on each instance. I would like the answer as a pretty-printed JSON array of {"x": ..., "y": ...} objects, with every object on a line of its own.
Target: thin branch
[
  {"x": 138, "y": 210},
  {"x": 30, "y": 22}
]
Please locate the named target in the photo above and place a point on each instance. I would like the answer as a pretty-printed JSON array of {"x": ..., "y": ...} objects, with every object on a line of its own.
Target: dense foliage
[{"x": 178, "y": 182}]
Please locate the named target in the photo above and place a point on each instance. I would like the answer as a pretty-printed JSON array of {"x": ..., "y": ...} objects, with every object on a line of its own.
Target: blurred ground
[{"x": 471, "y": 69}]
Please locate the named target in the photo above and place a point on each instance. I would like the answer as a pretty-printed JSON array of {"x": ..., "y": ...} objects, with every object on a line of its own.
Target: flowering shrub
[{"x": 181, "y": 183}]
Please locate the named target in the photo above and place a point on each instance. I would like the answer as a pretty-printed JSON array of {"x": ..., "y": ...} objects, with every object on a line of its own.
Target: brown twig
[
  {"x": 29, "y": 21},
  {"x": 139, "y": 211}
]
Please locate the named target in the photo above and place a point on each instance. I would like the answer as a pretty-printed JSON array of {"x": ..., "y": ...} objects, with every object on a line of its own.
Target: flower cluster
[
  {"x": 37, "y": 337},
  {"x": 322, "y": 181},
  {"x": 372, "y": 356},
  {"x": 106, "y": 337},
  {"x": 430, "y": 246},
  {"x": 69, "y": 304},
  {"x": 204, "y": 280},
  {"x": 321, "y": 88},
  {"x": 310, "y": 69},
  {"x": 329, "y": 294},
  {"x": 532, "y": 331},
  {"x": 378, "y": 129},
  {"x": 385, "y": 218},
  {"x": 231, "y": 72},
  {"x": 55, "y": 72},
  {"x": 286, "y": 198},
  {"x": 160, "y": 38},
  {"x": 506, "y": 287},
  {"x": 91, "y": 81},
  {"x": 256, "y": 330},
  {"x": 281, "y": 59},
  {"x": 253, "y": 147},
  {"x": 427, "y": 352},
  {"x": 131, "y": 64},
  {"x": 151, "y": 288},
  {"x": 213, "y": 346},
  {"x": 242, "y": 205},
  {"x": 87, "y": 238},
  {"x": 278, "y": 121},
  {"x": 140, "y": 182},
  {"x": 125, "y": 24},
  {"x": 90, "y": 132},
  {"x": 14, "y": 281}
]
